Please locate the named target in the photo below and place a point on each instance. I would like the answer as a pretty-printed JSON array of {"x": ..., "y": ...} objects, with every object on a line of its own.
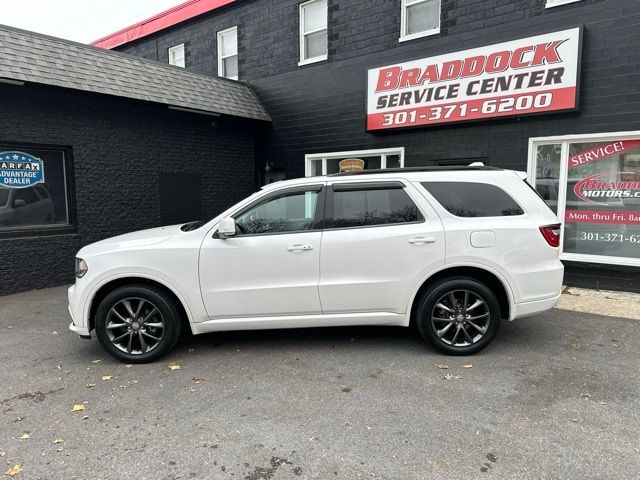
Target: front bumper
[{"x": 75, "y": 325}]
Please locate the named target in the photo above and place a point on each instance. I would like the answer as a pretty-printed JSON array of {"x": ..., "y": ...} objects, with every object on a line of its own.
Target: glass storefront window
[
  {"x": 548, "y": 173},
  {"x": 329, "y": 163},
  {"x": 33, "y": 189},
  {"x": 592, "y": 182}
]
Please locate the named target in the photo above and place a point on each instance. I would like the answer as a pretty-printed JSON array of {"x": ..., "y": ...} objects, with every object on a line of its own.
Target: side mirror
[
  {"x": 19, "y": 203},
  {"x": 227, "y": 227}
]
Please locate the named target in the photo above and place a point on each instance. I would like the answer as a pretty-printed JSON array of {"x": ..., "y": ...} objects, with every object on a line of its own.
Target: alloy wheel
[
  {"x": 460, "y": 318},
  {"x": 135, "y": 326}
]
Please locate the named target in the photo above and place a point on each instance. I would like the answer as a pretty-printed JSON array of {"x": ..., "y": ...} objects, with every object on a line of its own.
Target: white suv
[{"x": 452, "y": 251}]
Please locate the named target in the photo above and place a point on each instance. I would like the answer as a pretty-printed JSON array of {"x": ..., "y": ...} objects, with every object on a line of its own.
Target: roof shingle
[{"x": 40, "y": 59}]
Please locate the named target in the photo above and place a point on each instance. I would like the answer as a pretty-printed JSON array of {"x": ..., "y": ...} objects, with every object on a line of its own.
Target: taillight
[{"x": 551, "y": 234}]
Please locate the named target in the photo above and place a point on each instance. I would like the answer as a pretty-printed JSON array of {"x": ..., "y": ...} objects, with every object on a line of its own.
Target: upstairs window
[
  {"x": 313, "y": 31},
  {"x": 420, "y": 18},
  {"x": 176, "y": 56},
  {"x": 468, "y": 199},
  {"x": 228, "y": 53}
]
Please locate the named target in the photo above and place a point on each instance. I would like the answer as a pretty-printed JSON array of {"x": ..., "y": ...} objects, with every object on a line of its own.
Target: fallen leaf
[
  {"x": 58, "y": 440},
  {"x": 468, "y": 365},
  {"x": 198, "y": 380},
  {"x": 174, "y": 367},
  {"x": 448, "y": 376},
  {"x": 78, "y": 408},
  {"x": 91, "y": 385},
  {"x": 96, "y": 361},
  {"x": 13, "y": 470},
  {"x": 442, "y": 367},
  {"x": 106, "y": 378},
  {"x": 25, "y": 436},
  {"x": 585, "y": 395}
]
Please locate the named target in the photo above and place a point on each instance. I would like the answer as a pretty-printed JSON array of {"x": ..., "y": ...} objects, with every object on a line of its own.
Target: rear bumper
[{"x": 527, "y": 309}]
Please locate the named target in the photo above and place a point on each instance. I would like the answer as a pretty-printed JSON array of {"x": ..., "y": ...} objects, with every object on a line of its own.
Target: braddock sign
[
  {"x": 527, "y": 76},
  {"x": 20, "y": 170}
]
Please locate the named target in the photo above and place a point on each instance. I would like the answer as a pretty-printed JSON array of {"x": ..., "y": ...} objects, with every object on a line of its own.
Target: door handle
[
  {"x": 300, "y": 248},
  {"x": 421, "y": 240}
]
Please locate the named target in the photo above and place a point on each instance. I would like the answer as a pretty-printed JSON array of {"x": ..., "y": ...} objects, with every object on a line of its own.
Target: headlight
[{"x": 81, "y": 267}]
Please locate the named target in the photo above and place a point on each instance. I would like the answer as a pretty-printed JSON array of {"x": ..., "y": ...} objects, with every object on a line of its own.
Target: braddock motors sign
[
  {"x": 20, "y": 170},
  {"x": 527, "y": 76}
]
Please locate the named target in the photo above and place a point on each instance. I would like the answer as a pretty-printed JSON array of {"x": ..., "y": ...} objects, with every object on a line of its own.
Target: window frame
[
  {"x": 565, "y": 141},
  {"x": 176, "y": 48},
  {"x": 221, "y": 58},
  {"x": 318, "y": 217},
  {"x": 558, "y": 3},
  {"x": 71, "y": 227},
  {"x": 404, "y": 25},
  {"x": 323, "y": 157},
  {"x": 302, "y": 34},
  {"x": 351, "y": 186}
]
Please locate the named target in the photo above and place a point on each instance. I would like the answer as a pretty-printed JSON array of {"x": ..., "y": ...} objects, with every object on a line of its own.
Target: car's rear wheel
[
  {"x": 459, "y": 316},
  {"x": 137, "y": 323}
]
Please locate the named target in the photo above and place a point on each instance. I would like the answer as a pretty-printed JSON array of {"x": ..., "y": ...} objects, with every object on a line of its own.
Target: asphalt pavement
[{"x": 556, "y": 396}]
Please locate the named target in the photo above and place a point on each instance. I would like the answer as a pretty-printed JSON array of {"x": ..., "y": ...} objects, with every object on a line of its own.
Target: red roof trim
[{"x": 166, "y": 19}]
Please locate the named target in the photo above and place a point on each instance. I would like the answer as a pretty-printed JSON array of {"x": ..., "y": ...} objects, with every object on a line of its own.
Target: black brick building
[
  {"x": 126, "y": 163},
  {"x": 308, "y": 64}
]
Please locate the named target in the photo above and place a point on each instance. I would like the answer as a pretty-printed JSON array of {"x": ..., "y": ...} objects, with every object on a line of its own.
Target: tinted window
[
  {"x": 466, "y": 199},
  {"x": 291, "y": 212},
  {"x": 359, "y": 208}
]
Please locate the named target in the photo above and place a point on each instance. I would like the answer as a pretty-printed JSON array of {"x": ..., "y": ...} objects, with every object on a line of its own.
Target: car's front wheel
[
  {"x": 137, "y": 323},
  {"x": 458, "y": 316}
]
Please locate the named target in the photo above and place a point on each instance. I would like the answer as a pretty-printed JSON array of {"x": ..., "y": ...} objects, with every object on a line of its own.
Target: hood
[{"x": 140, "y": 238}]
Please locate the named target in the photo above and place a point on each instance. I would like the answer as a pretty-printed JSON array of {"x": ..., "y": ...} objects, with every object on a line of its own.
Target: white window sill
[
  {"x": 309, "y": 61},
  {"x": 426, "y": 33},
  {"x": 559, "y": 2}
]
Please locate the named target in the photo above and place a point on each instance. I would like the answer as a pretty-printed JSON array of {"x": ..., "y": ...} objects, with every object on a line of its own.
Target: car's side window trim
[
  {"x": 354, "y": 187},
  {"x": 318, "y": 217}
]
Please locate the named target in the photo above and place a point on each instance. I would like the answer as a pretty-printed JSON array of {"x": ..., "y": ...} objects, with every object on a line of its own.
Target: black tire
[
  {"x": 167, "y": 314},
  {"x": 436, "y": 303}
]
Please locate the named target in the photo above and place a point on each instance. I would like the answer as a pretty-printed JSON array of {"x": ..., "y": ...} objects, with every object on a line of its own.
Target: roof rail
[{"x": 454, "y": 168}]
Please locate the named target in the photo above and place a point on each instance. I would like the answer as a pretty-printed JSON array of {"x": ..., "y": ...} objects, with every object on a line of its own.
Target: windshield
[{"x": 4, "y": 196}]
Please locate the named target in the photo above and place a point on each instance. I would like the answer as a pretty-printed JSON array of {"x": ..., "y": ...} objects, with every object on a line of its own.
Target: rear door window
[
  {"x": 362, "y": 206},
  {"x": 469, "y": 199}
]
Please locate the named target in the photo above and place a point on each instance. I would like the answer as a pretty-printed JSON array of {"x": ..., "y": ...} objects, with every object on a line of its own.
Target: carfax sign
[
  {"x": 531, "y": 75},
  {"x": 20, "y": 170}
]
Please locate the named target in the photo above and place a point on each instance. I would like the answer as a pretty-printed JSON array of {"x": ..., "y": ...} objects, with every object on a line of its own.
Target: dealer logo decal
[
  {"x": 20, "y": 170},
  {"x": 603, "y": 186}
]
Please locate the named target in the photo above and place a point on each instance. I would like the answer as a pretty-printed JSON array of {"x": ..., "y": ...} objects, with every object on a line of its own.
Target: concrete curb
[{"x": 601, "y": 302}]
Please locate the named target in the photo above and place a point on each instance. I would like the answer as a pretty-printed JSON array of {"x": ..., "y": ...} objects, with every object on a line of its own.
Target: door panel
[
  {"x": 261, "y": 275},
  {"x": 272, "y": 266},
  {"x": 376, "y": 268}
]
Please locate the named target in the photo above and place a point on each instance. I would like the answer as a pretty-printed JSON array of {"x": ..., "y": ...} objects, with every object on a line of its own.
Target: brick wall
[
  {"x": 321, "y": 107},
  {"x": 119, "y": 148}
]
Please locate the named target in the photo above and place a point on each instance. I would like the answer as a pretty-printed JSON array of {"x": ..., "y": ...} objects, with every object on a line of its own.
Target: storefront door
[{"x": 592, "y": 182}]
